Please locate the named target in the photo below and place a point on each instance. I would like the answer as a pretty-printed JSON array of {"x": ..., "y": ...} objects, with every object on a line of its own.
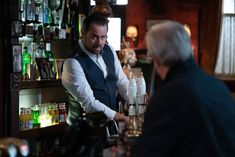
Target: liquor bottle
[
  {"x": 47, "y": 14},
  {"x": 26, "y": 61},
  {"x": 57, "y": 113},
  {"x": 29, "y": 17},
  {"x": 34, "y": 72},
  {"x": 45, "y": 117},
  {"x": 62, "y": 112},
  {"x": 22, "y": 119},
  {"x": 36, "y": 114},
  {"x": 29, "y": 119},
  {"x": 49, "y": 55},
  {"x": 41, "y": 43},
  {"x": 51, "y": 113}
]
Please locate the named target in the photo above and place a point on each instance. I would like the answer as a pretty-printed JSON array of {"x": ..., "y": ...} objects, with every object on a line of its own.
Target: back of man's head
[{"x": 169, "y": 42}]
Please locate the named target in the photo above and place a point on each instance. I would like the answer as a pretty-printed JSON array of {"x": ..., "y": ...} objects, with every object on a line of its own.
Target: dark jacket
[{"x": 192, "y": 115}]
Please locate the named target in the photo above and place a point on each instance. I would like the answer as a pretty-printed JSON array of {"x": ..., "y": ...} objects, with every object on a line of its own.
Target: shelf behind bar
[
  {"x": 39, "y": 83},
  {"x": 46, "y": 131},
  {"x": 230, "y": 84}
]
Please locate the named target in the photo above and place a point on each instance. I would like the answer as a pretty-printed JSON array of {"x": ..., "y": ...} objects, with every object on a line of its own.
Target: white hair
[{"x": 169, "y": 42}]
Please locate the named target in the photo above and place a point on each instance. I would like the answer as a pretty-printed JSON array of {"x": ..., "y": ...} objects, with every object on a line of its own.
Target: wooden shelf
[
  {"x": 230, "y": 84},
  {"x": 41, "y": 132},
  {"x": 40, "y": 84}
]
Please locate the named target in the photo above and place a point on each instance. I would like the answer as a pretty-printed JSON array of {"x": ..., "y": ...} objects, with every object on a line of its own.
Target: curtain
[
  {"x": 210, "y": 33},
  {"x": 226, "y": 58}
]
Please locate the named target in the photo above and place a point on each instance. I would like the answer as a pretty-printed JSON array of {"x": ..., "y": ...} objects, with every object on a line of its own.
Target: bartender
[{"x": 92, "y": 74}]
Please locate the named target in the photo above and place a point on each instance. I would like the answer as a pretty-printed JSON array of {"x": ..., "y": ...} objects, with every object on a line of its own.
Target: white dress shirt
[{"x": 74, "y": 80}]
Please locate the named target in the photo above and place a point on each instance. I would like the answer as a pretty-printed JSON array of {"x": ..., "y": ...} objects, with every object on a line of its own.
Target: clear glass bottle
[
  {"x": 56, "y": 112},
  {"x": 62, "y": 112},
  {"x": 34, "y": 50},
  {"x": 46, "y": 14},
  {"x": 22, "y": 118},
  {"x": 29, "y": 119},
  {"x": 49, "y": 55}
]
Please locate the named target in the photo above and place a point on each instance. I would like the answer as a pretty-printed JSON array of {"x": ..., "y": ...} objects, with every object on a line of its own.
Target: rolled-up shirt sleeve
[{"x": 74, "y": 80}]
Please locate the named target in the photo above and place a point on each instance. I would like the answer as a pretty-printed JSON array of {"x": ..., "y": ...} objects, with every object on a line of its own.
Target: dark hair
[{"x": 94, "y": 18}]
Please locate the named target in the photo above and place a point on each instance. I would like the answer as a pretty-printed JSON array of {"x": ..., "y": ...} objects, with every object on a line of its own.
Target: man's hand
[{"x": 119, "y": 117}]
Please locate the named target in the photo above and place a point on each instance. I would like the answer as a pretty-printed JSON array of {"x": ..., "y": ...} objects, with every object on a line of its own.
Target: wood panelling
[
  {"x": 186, "y": 12},
  {"x": 1, "y": 73}
]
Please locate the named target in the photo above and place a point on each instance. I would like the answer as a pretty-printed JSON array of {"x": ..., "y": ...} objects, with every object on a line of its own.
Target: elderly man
[{"x": 192, "y": 114}]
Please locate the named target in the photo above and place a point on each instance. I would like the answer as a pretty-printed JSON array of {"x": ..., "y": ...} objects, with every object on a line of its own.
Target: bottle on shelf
[
  {"x": 29, "y": 13},
  {"x": 34, "y": 72},
  {"x": 26, "y": 62},
  {"x": 38, "y": 13},
  {"x": 22, "y": 118},
  {"x": 46, "y": 14},
  {"x": 56, "y": 112},
  {"x": 40, "y": 40},
  {"x": 29, "y": 119},
  {"x": 62, "y": 112},
  {"x": 50, "y": 56},
  {"x": 36, "y": 114},
  {"x": 45, "y": 117},
  {"x": 51, "y": 113}
]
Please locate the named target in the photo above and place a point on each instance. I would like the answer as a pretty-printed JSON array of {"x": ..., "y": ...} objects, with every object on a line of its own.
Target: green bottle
[
  {"x": 36, "y": 116},
  {"x": 26, "y": 61}
]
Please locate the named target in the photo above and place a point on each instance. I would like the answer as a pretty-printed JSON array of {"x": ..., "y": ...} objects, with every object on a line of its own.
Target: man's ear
[
  {"x": 156, "y": 62},
  {"x": 160, "y": 68}
]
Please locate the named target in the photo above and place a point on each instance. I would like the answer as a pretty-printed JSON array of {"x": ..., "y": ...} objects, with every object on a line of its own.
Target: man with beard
[{"x": 92, "y": 75}]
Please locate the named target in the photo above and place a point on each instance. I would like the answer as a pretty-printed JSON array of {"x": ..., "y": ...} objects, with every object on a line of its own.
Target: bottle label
[
  {"x": 57, "y": 118},
  {"x": 62, "y": 118},
  {"x": 30, "y": 124}
]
